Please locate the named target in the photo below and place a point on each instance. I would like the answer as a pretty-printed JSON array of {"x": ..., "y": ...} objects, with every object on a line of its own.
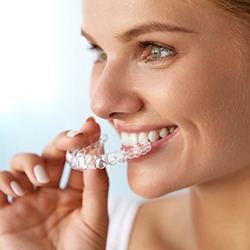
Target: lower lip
[{"x": 156, "y": 145}]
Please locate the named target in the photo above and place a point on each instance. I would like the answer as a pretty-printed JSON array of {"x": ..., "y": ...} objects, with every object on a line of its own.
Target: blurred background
[{"x": 44, "y": 79}]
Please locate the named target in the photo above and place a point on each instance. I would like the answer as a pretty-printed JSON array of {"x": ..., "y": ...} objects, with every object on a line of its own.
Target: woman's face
[{"x": 167, "y": 63}]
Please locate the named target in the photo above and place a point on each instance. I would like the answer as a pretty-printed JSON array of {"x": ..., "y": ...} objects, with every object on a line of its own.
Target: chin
[
  {"x": 152, "y": 192},
  {"x": 150, "y": 186},
  {"x": 154, "y": 178},
  {"x": 148, "y": 193}
]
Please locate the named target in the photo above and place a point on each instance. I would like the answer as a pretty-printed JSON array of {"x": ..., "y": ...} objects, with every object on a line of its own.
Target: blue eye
[{"x": 156, "y": 52}]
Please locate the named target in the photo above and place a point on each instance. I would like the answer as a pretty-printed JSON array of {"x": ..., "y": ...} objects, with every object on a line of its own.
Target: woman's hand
[{"x": 44, "y": 216}]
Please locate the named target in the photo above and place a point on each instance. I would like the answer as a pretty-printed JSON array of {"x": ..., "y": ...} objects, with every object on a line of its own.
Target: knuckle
[
  {"x": 24, "y": 159},
  {"x": 5, "y": 175}
]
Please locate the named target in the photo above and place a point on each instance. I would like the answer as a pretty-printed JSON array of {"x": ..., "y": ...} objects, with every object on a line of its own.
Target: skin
[
  {"x": 50, "y": 217},
  {"x": 203, "y": 73},
  {"x": 203, "y": 88}
]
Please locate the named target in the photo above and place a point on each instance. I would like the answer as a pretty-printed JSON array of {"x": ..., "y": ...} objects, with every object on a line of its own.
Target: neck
[{"x": 220, "y": 212}]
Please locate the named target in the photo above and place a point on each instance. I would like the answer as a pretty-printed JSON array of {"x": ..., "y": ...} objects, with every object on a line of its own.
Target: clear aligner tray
[{"x": 91, "y": 157}]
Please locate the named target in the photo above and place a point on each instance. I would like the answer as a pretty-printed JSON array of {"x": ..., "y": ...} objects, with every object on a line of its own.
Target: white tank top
[{"x": 122, "y": 212}]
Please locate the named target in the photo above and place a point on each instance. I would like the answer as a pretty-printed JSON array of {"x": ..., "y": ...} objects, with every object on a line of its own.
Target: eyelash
[
  {"x": 98, "y": 50},
  {"x": 146, "y": 46}
]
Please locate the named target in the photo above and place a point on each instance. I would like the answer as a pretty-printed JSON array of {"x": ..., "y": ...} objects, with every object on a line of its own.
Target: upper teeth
[{"x": 132, "y": 139}]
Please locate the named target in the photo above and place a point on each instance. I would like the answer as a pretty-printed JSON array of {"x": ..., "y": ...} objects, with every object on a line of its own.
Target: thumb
[{"x": 95, "y": 200}]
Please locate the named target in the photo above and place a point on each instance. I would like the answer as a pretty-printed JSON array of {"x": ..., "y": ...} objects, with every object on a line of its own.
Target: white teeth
[
  {"x": 153, "y": 136},
  {"x": 171, "y": 130},
  {"x": 164, "y": 133},
  {"x": 143, "y": 137},
  {"x": 125, "y": 139},
  {"x": 133, "y": 138}
]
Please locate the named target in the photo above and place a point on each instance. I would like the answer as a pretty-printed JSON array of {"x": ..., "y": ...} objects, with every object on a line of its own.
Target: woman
[{"x": 177, "y": 72}]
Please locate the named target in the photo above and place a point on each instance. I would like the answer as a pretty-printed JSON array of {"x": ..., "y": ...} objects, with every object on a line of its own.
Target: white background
[{"x": 44, "y": 78}]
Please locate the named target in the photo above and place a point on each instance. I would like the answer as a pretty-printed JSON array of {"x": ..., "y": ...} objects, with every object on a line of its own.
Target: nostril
[
  {"x": 135, "y": 106},
  {"x": 114, "y": 115},
  {"x": 109, "y": 106}
]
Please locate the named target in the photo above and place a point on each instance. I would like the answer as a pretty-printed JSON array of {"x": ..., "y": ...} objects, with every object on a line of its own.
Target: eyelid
[
  {"x": 93, "y": 46},
  {"x": 99, "y": 53},
  {"x": 147, "y": 45}
]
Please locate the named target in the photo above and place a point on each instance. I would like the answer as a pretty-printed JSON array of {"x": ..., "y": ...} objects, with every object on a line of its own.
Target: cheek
[
  {"x": 209, "y": 110},
  {"x": 207, "y": 101}
]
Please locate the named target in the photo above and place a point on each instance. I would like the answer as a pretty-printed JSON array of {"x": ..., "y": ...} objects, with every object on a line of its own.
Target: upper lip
[{"x": 140, "y": 128}]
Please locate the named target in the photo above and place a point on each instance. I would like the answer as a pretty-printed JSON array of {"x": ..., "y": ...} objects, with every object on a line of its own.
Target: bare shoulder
[{"x": 159, "y": 223}]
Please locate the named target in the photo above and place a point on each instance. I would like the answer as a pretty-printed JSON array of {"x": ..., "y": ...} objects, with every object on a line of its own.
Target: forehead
[{"x": 102, "y": 16}]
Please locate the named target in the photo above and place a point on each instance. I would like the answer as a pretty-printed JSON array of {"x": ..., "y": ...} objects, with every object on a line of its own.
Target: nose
[{"x": 113, "y": 93}]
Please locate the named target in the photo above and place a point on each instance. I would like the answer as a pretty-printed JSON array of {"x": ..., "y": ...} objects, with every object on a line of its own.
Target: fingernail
[
  {"x": 40, "y": 174},
  {"x": 90, "y": 119},
  {"x": 16, "y": 188},
  {"x": 73, "y": 133}
]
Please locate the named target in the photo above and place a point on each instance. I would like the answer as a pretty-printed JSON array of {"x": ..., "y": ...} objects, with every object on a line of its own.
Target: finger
[
  {"x": 95, "y": 197},
  {"x": 30, "y": 170},
  {"x": 75, "y": 180},
  {"x": 24, "y": 182},
  {"x": 54, "y": 154},
  {"x": 92, "y": 130},
  {"x": 9, "y": 185},
  {"x": 3, "y": 199}
]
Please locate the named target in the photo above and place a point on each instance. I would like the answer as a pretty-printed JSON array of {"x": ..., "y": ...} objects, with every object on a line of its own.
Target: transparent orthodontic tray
[{"x": 91, "y": 157}]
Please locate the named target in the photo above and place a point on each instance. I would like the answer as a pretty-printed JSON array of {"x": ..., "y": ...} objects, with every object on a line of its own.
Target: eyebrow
[
  {"x": 87, "y": 36},
  {"x": 144, "y": 29},
  {"x": 151, "y": 27}
]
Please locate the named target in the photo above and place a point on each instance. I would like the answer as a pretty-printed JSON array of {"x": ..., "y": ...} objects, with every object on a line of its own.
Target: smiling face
[{"x": 168, "y": 64}]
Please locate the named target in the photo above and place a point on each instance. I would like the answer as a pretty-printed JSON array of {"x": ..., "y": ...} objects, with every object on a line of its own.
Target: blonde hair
[{"x": 239, "y": 8}]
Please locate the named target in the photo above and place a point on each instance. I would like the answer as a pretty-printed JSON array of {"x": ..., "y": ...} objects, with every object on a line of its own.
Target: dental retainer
[{"x": 91, "y": 157}]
